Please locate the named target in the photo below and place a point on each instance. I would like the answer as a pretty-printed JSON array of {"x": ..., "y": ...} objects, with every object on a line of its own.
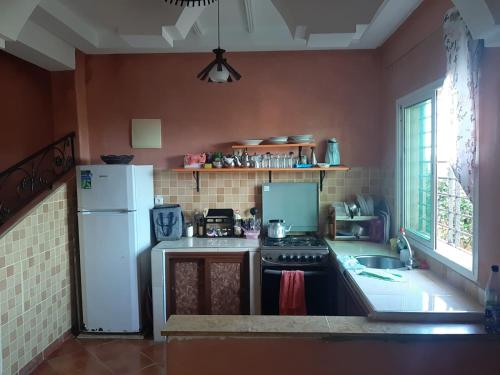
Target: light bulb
[{"x": 219, "y": 76}]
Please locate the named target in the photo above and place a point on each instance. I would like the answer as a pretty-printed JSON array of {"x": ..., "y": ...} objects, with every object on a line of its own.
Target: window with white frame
[{"x": 433, "y": 208}]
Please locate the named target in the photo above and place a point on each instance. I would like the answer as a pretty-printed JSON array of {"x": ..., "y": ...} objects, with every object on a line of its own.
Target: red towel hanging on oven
[{"x": 292, "y": 293}]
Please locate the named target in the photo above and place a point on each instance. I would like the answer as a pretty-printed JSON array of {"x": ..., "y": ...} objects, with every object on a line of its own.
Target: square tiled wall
[
  {"x": 35, "y": 302},
  {"x": 242, "y": 190}
]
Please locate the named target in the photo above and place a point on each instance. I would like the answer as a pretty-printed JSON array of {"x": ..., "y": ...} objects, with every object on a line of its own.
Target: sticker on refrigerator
[{"x": 86, "y": 179}]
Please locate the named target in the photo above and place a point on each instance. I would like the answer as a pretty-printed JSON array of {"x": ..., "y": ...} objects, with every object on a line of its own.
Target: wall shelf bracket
[
  {"x": 196, "y": 176},
  {"x": 322, "y": 175}
]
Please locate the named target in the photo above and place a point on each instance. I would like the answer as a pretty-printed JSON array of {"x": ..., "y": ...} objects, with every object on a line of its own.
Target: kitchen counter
[
  {"x": 209, "y": 244},
  {"x": 304, "y": 326},
  {"x": 419, "y": 296}
]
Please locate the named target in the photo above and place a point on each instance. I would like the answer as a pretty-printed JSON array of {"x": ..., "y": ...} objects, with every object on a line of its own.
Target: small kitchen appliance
[{"x": 219, "y": 223}]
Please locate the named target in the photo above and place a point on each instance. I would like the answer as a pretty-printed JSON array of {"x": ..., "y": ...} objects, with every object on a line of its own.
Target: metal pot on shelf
[{"x": 277, "y": 229}]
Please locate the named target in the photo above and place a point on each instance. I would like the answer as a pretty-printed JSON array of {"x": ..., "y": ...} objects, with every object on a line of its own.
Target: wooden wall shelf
[
  {"x": 322, "y": 172},
  {"x": 236, "y": 170},
  {"x": 277, "y": 145}
]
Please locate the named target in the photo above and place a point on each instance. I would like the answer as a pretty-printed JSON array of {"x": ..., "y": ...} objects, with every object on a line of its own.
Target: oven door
[{"x": 317, "y": 289}]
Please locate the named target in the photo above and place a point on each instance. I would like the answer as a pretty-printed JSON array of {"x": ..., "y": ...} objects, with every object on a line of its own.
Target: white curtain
[{"x": 461, "y": 84}]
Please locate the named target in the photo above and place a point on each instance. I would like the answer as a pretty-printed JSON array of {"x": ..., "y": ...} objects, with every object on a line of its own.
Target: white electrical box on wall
[{"x": 146, "y": 133}]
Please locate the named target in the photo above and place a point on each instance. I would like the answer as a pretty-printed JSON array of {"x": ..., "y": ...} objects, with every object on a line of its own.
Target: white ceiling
[{"x": 46, "y": 32}]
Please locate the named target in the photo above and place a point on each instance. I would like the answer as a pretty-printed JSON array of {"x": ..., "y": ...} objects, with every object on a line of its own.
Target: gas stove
[
  {"x": 295, "y": 242},
  {"x": 294, "y": 250}
]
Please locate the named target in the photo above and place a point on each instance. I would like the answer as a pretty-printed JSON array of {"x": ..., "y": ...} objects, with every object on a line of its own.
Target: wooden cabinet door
[
  {"x": 347, "y": 301},
  {"x": 207, "y": 283},
  {"x": 185, "y": 284},
  {"x": 227, "y": 281}
]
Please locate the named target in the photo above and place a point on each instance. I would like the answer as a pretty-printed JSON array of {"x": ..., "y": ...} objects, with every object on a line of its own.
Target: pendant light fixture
[
  {"x": 191, "y": 3},
  {"x": 219, "y": 70}
]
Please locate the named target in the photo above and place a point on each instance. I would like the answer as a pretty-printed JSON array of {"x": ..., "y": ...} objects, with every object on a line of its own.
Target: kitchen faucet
[{"x": 412, "y": 262}]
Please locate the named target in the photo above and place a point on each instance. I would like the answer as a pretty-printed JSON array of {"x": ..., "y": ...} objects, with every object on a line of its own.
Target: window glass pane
[{"x": 418, "y": 187}]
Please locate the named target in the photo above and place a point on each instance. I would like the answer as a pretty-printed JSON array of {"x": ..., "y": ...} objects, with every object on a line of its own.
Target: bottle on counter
[
  {"x": 189, "y": 230},
  {"x": 237, "y": 224},
  {"x": 492, "y": 302},
  {"x": 199, "y": 221}
]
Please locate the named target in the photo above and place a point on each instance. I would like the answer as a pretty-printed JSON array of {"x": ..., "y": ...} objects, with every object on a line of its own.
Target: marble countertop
[
  {"x": 305, "y": 326},
  {"x": 208, "y": 244},
  {"x": 419, "y": 296}
]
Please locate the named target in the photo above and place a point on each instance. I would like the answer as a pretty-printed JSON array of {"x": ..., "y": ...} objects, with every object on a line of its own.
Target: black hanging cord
[{"x": 218, "y": 25}]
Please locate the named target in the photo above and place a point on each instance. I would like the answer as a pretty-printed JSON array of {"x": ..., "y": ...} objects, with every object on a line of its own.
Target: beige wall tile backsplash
[
  {"x": 242, "y": 190},
  {"x": 35, "y": 295}
]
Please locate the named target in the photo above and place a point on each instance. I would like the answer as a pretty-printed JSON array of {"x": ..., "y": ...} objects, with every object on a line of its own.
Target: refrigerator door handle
[{"x": 109, "y": 212}]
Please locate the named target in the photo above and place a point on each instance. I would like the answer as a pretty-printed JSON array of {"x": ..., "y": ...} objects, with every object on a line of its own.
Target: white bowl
[{"x": 251, "y": 142}]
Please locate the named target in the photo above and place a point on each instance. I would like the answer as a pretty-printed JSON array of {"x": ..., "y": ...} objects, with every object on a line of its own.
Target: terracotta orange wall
[
  {"x": 413, "y": 57},
  {"x": 328, "y": 94},
  {"x": 69, "y": 106},
  {"x": 26, "y": 109},
  {"x": 489, "y": 156}
]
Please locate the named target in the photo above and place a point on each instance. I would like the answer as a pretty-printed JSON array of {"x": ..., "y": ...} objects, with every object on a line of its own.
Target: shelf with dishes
[
  {"x": 266, "y": 161},
  {"x": 322, "y": 172},
  {"x": 273, "y": 145}
]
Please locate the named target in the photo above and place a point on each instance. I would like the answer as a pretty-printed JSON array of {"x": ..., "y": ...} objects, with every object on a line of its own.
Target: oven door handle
[{"x": 306, "y": 273}]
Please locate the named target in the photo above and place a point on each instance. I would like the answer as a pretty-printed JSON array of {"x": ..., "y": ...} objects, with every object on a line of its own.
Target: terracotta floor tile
[
  {"x": 142, "y": 344},
  {"x": 70, "y": 346},
  {"x": 44, "y": 369},
  {"x": 116, "y": 349},
  {"x": 93, "y": 342},
  {"x": 157, "y": 352},
  {"x": 78, "y": 363},
  {"x": 153, "y": 370},
  {"x": 105, "y": 357},
  {"x": 128, "y": 363}
]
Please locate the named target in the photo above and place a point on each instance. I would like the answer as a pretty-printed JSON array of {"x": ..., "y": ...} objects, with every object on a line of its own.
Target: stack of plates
[
  {"x": 278, "y": 140},
  {"x": 366, "y": 205},
  {"x": 303, "y": 138}
]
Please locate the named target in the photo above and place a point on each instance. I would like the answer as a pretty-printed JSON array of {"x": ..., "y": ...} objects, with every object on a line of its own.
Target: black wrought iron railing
[{"x": 22, "y": 182}]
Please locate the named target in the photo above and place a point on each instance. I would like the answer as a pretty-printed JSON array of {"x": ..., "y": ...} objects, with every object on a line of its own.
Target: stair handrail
[{"x": 25, "y": 180}]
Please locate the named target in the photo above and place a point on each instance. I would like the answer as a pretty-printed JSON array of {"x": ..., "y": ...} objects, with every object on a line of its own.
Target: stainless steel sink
[{"x": 380, "y": 262}]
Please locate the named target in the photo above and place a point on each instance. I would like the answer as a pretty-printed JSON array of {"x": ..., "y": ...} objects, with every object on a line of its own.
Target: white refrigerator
[{"x": 114, "y": 203}]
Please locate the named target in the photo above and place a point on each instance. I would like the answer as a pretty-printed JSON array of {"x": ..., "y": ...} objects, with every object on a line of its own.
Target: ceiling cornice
[{"x": 480, "y": 21}]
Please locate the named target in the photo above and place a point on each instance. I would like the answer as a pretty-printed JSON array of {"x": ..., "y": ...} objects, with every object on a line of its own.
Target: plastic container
[
  {"x": 252, "y": 234},
  {"x": 492, "y": 302}
]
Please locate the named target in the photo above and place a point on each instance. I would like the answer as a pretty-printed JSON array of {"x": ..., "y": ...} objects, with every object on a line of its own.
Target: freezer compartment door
[
  {"x": 109, "y": 270},
  {"x": 105, "y": 187}
]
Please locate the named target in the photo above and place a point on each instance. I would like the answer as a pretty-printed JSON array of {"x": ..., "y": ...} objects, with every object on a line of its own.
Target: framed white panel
[{"x": 146, "y": 133}]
